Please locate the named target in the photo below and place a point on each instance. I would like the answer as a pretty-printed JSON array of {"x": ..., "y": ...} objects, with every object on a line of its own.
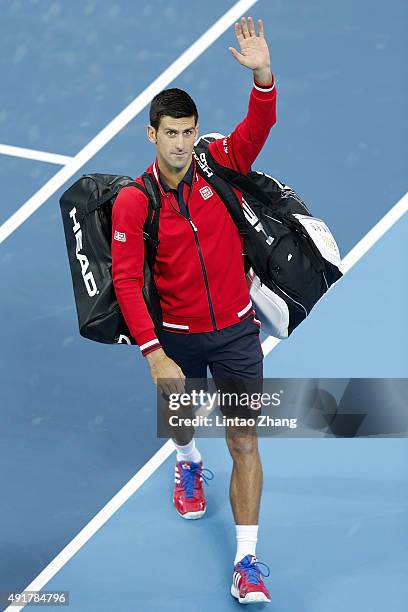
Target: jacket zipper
[
  {"x": 200, "y": 254},
  {"x": 204, "y": 271}
]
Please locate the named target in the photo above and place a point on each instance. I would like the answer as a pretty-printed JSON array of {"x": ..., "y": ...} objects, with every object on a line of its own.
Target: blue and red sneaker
[
  {"x": 188, "y": 495},
  {"x": 247, "y": 584}
]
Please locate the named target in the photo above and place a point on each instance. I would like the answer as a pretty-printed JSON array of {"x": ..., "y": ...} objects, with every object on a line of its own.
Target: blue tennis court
[{"x": 78, "y": 418}]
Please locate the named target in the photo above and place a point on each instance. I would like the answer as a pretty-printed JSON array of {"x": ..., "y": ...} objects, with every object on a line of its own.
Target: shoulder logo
[
  {"x": 120, "y": 236},
  {"x": 206, "y": 192}
]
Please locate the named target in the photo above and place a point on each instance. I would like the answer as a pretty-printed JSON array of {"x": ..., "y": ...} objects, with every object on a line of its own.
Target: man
[{"x": 208, "y": 319}]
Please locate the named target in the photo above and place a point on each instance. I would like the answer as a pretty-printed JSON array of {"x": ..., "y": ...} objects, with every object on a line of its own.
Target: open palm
[{"x": 253, "y": 49}]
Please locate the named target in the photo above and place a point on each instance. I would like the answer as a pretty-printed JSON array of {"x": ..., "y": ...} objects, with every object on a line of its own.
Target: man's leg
[
  {"x": 236, "y": 362},
  {"x": 184, "y": 349},
  {"x": 188, "y": 493},
  {"x": 246, "y": 477},
  {"x": 245, "y": 496},
  {"x": 182, "y": 436},
  {"x": 245, "y": 488}
]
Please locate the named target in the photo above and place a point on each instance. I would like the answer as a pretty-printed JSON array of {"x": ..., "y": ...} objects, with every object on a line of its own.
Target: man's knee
[{"x": 242, "y": 441}]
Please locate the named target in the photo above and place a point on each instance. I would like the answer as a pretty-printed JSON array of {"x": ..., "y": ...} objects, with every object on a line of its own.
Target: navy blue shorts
[{"x": 233, "y": 355}]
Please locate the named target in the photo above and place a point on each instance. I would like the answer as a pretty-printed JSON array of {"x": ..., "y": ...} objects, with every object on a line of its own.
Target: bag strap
[
  {"x": 241, "y": 181},
  {"x": 151, "y": 225},
  {"x": 224, "y": 191},
  {"x": 245, "y": 184}
]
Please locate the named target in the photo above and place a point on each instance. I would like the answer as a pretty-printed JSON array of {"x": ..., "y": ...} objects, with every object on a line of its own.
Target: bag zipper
[
  {"x": 288, "y": 296},
  {"x": 291, "y": 298}
]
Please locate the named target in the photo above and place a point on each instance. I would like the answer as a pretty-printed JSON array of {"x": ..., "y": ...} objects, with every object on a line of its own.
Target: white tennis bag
[{"x": 271, "y": 309}]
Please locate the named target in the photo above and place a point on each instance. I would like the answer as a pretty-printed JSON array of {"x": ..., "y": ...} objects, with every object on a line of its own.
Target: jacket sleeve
[
  {"x": 128, "y": 216},
  {"x": 240, "y": 149}
]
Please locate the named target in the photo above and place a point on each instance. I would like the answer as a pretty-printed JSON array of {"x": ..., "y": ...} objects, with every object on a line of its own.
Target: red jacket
[{"x": 199, "y": 268}]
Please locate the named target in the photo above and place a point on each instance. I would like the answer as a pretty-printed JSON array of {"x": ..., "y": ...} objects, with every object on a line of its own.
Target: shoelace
[
  {"x": 252, "y": 570},
  {"x": 188, "y": 478}
]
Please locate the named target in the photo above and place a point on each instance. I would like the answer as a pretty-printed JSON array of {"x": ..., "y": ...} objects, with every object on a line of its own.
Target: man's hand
[
  {"x": 254, "y": 52},
  {"x": 166, "y": 374}
]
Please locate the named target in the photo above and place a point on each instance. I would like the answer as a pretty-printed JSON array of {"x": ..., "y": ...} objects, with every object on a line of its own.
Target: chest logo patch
[
  {"x": 206, "y": 192},
  {"x": 120, "y": 236}
]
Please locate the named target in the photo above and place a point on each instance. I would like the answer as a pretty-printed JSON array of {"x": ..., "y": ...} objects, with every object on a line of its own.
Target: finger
[
  {"x": 180, "y": 389},
  {"x": 238, "y": 56},
  {"x": 180, "y": 386},
  {"x": 173, "y": 390},
  {"x": 171, "y": 387},
  {"x": 174, "y": 381},
  {"x": 162, "y": 384},
  {"x": 261, "y": 28},
  {"x": 161, "y": 387},
  {"x": 238, "y": 33},
  {"x": 251, "y": 27},
  {"x": 177, "y": 372},
  {"x": 180, "y": 378},
  {"x": 244, "y": 27}
]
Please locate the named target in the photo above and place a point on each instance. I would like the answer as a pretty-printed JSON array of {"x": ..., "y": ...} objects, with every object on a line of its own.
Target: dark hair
[{"x": 174, "y": 103}]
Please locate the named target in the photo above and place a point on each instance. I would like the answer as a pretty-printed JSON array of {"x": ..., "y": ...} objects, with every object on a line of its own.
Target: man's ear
[
  {"x": 197, "y": 131},
  {"x": 151, "y": 134}
]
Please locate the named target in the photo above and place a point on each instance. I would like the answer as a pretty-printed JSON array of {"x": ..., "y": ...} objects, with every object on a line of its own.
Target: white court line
[
  {"x": 51, "y": 158},
  {"x": 166, "y": 450},
  {"x": 98, "y": 520},
  {"x": 123, "y": 118},
  {"x": 375, "y": 233}
]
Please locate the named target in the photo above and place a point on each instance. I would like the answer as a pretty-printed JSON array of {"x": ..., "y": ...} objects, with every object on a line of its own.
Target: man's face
[{"x": 174, "y": 140}]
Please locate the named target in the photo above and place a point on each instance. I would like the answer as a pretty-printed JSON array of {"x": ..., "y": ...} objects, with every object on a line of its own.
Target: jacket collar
[{"x": 187, "y": 178}]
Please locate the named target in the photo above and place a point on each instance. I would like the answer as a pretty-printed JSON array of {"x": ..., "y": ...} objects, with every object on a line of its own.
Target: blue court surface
[{"x": 78, "y": 419}]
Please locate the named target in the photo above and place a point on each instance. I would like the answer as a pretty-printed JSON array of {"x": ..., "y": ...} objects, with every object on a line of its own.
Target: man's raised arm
[{"x": 240, "y": 149}]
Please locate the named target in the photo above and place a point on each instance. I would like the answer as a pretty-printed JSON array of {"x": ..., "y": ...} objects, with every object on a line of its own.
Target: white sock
[
  {"x": 189, "y": 452},
  {"x": 247, "y": 537}
]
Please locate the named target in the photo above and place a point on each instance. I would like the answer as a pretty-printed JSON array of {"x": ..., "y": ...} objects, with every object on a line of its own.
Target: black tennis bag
[
  {"x": 291, "y": 257},
  {"x": 86, "y": 209}
]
